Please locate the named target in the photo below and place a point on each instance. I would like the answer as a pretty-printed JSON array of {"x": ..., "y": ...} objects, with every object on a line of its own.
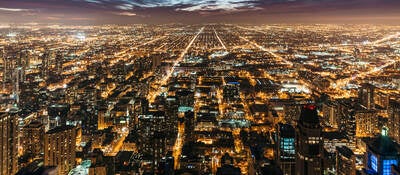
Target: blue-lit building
[
  {"x": 286, "y": 149},
  {"x": 382, "y": 153}
]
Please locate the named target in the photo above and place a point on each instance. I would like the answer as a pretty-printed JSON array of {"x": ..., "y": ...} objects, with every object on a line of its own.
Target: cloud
[
  {"x": 183, "y": 5},
  {"x": 124, "y": 6},
  {"x": 126, "y": 14},
  {"x": 15, "y": 9},
  {"x": 221, "y": 5}
]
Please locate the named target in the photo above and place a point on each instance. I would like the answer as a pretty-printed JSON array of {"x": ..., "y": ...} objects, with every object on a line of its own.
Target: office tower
[
  {"x": 9, "y": 64},
  {"x": 8, "y": 142},
  {"x": 330, "y": 111},
  {"x": 366, "y": 95},
  {"x": 45, "y": 64},
  {"x": 23, "y": 64},
  {"x": 346, "y": 120},
  {"x": 382, "y": 152},
  {"x": 152, "y": 136},
  {"x": 58, "y": 114},
  {"x": 309, "y": 143},
  {"x": 59, "y": 62},
  {"x": 32, "y": 139},
  {"x": 345, "y": 161},
  {"x": 285, "y": 148},
  {"x": 59, "y": 148},
  {"x": 394, "y": 119},
  {"x": 366, "y": 123}
]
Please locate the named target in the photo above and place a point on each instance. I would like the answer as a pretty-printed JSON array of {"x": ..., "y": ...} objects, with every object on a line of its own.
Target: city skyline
[{"x": 206, "y": 87}]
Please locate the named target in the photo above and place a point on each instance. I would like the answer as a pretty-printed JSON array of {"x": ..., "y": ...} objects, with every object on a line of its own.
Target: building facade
[
  {"x": 59, "y": 148},
  {"x": 285, "y": 148},
  {"x": 382, "y": 153},
  {"x": 309, "y": 143},
  {"x": 8, "y": 142}
]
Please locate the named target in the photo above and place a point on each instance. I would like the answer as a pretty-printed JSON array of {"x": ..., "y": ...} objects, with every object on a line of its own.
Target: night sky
[{"x": 199, "y": 11}]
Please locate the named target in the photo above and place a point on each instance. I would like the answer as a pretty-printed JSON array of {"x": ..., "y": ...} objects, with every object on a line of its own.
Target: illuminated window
[
  {"x": 387, "y": 164},
  {"x": 287, "y": 145},
  {"x": 373, "y": 162}
]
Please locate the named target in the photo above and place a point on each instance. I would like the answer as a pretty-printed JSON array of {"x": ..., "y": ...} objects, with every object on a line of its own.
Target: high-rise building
[
  {"x": 309, "y": 142},
  {"x": 394, "y": 120},
  {"x": 346, "y": 120},
  {"x": 59, "y": 63},
  {"x": 23, "y": 64},
  {"x": 345, "y": 161},
  {"x": 366, "y": 95},
  {"x": 59, "y": 148},
  {"x": 153, "y": 136},
  {"x": 46, "y": 57},
  {"x": 366, "y": 123},
  {"x": 330, "y": 111},
  {"x": 382, "y": 153},
  {"x": 33, "y": 136},
  {"x": 285, "y": 148},
  {"x": 8, "y": 142},
  {"x": 9, "y": 65}
]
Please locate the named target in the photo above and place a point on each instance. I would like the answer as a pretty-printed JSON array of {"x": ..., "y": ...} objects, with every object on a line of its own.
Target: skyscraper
[
  {"x": 33, "y": 135},
  {"x": 330, "y": 111},
  {"x": 285, "y": 148},
  {"x": 152, "y": 136},
  {"x": 59, "y": 148},
  {"x": 381, "y": 154},
  {"x": 366, "y": 95},
  {"x": 366, "y": 123},
  {"x": 394, "y": 120},
  {"x": 309, "y": 142},
  {"x": 8, "y": 142}
]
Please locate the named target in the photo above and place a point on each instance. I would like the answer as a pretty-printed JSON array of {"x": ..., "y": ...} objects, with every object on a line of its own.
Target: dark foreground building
[{"x": 309, "y": 142}]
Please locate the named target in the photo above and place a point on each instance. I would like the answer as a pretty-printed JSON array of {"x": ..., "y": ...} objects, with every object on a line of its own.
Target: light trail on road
[
  {"x": 343, "y": 82},
  {"x": 219, "y": 39},
  {"x": 178, "y": 145},
  {"x": 267, "y": 50},
  {"x": 143, "y": 44},
  {"x": 171, "y": 71},
  {"x": 396, "y": 35}
]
